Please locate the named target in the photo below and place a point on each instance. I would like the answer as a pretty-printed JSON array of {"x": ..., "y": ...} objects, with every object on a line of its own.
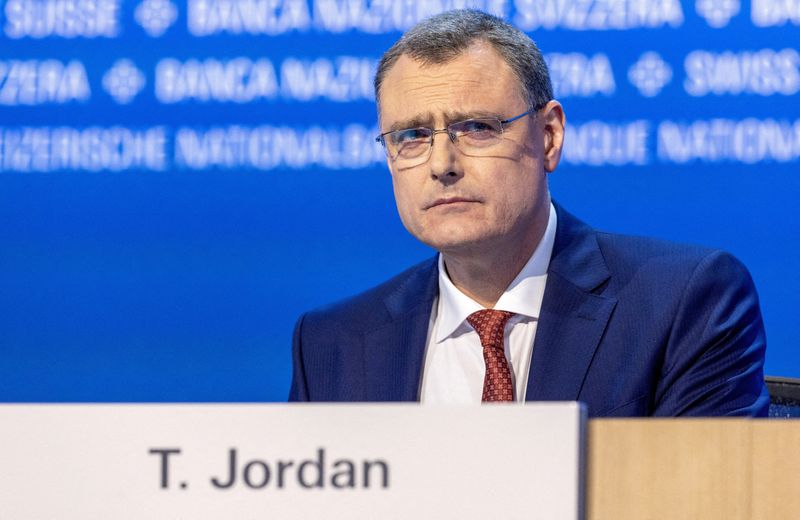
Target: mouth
[{"x": 451, "y": 201}]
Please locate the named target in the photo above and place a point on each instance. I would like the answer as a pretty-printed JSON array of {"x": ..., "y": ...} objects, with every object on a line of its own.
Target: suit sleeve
[
  {"x": 714, "y": 360},
  {"x": 298, "y": 392}
]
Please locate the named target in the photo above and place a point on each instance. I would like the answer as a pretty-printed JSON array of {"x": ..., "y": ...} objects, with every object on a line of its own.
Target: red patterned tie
[{"x": 490, "y": 324}]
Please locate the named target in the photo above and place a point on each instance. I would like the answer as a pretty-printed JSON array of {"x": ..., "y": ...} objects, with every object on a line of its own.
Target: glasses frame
[{"x": 446, "y": 130}]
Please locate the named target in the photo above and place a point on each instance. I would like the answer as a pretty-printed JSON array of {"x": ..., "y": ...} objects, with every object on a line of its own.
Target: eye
[
  {"x": 477, "y": 128},
  {"x": 410, "y": 136}
]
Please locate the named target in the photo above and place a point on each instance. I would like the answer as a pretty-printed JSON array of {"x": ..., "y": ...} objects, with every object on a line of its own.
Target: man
[{"x": 524, "y": 301}]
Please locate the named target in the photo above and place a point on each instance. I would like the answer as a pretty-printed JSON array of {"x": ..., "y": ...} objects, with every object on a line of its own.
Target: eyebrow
[
  {"x": 412, "y": 122},
  {"x": 426, "y": 120}
]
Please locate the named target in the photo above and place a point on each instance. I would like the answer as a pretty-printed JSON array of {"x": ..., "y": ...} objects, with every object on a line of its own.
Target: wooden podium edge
[{"x": 727, "y": 468}]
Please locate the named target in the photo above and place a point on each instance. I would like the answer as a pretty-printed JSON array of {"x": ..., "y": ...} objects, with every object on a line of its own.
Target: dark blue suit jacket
[{"x": 631, "y": 326}]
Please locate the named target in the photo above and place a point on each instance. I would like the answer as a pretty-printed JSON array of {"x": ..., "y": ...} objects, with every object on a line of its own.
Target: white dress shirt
[{"x": 454, "y": 366}]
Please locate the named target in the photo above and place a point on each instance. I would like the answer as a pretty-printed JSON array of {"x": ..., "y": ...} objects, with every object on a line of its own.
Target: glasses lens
[
  {"x": 477, "y": 133},
  {"x": 409, "y": 143}
]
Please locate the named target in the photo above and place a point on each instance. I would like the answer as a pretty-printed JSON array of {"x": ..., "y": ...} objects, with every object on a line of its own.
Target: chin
[
  {"x": 450, "y": 235},
  {"x": 453, "y": 243}
]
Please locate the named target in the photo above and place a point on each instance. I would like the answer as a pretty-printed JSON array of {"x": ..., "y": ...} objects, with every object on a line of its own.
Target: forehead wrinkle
[
  {"x": 420, "y": 85},
  {"x": 439, "y": 91},
  {"x": 447, "y": 80}
]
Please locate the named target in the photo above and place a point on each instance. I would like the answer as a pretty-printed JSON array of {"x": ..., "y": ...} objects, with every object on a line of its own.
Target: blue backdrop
[{"x": 180, "y": 180}]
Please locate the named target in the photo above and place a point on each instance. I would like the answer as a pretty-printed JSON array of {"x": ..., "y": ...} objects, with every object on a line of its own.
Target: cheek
[
  {"x": 404, "y": 199},
  {"x": 516, "y": 199}
]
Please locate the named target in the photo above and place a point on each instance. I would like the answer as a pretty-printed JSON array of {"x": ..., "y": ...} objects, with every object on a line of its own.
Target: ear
[{"x": 553, "y": 123}]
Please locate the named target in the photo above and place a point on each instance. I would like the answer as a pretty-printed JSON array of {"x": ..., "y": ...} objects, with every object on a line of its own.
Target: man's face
[{"x": 461, "y": 203}]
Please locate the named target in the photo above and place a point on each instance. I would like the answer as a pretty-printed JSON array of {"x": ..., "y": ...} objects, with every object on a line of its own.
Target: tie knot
[{"x": 490, "y": 325}]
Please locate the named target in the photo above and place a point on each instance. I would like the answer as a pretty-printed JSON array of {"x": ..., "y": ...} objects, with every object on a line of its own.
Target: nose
[{"x": 444, "y": 161}]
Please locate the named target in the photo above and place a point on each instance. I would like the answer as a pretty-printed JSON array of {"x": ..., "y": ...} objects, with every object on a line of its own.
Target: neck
[{"x": 485, "y": 273}]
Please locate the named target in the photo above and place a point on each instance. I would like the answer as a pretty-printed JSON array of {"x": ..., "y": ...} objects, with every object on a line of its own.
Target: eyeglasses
[{"x": 411, "y": 147}]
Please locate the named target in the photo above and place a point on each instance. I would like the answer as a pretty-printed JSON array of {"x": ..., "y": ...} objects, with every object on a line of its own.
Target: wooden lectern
[{"x": 681, "y": 469}]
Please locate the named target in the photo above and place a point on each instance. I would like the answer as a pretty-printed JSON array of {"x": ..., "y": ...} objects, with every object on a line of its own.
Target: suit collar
[
  {"x": 574, "y": 313},
  {"x": 415, "y": 290},
  {"x": 576, "y": 255},
  {"x": 395, "y": 351}
]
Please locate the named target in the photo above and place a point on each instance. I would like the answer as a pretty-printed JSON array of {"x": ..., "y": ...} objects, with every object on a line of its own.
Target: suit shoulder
[
  {"x": 630, "y": 250},
  {"x": 376, "y": 303},
  {"x": 648, "y": 247},
  {"x": 672, "y": 262}
]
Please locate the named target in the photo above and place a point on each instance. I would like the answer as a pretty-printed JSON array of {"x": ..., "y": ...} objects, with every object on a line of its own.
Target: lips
[{"x": 444, "y": 201}]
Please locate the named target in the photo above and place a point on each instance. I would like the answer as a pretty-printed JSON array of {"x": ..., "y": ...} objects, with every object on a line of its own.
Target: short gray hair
[{"x": 442, "y": 38}]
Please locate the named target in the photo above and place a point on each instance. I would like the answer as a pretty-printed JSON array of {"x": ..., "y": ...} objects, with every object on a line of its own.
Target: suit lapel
[
  {"x": 395, "y": 351},
  {"x": 573, "y": 316}
]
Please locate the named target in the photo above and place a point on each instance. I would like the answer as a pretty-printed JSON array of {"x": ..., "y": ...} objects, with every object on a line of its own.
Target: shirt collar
[{"x": 523, "y": 296}]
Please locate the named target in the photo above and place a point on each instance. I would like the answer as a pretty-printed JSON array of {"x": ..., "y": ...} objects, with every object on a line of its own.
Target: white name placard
[{"x": 306, "y": 461}]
